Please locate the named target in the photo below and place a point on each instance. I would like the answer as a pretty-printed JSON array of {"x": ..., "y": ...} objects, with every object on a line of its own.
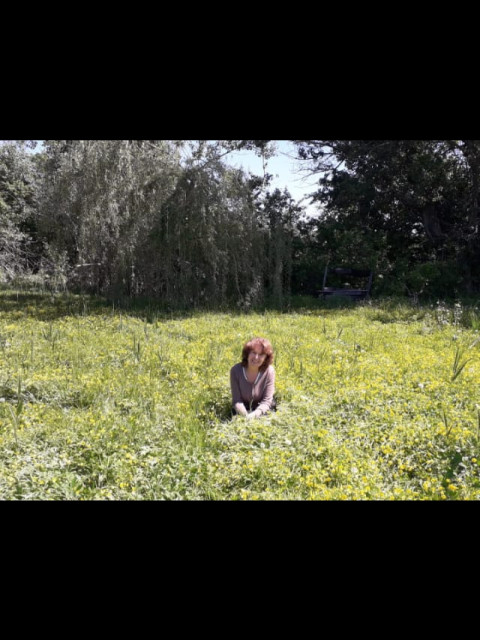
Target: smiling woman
[{"x": 252, "y": 381}]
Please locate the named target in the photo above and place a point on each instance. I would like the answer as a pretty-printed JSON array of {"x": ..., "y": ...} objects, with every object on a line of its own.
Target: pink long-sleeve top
[{"x": 261, "y": 391}]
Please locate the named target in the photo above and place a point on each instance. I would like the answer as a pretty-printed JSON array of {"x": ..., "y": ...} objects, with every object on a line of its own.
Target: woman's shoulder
[
  {"x": 270, "y": 370},
  {"x": 237, "y": 368}
]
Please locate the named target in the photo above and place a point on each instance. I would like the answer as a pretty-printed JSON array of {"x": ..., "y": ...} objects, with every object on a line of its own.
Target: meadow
[{"x": 376, "y": 401}]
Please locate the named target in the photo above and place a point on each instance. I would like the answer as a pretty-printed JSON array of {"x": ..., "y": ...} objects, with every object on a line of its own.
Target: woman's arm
[
  {"x": 237, "y": 402},
  {"x": 267, "y": 399}
]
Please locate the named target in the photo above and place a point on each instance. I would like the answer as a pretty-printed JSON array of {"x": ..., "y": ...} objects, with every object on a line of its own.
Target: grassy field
[{"x": 376, "y": 402}]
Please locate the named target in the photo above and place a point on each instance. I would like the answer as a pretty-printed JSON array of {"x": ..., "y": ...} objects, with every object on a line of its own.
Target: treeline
[
  {"x": 171, "y": 220},
  {"x": 409, "y": 209},
  {"x": 167, "y": 219}
]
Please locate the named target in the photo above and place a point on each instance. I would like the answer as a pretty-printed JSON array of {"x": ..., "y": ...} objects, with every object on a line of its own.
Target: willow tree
[
  {"x": 205, "y": 247},
  {"x": 280, "y": 216},
  {"x": 98, "y": 203},
  {"x": 165, "y": 218},
  {"x": 18, "y": 192}
]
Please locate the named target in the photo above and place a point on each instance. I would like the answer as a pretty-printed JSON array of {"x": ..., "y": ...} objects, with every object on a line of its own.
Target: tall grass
[{"x": 100, "y": 402}]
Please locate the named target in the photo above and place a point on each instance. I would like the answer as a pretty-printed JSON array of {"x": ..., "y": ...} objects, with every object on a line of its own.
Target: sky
[{"x": 284, "y": 168}]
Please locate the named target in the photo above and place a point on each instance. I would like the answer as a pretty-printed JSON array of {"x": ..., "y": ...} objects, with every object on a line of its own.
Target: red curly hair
[{"x": 266, "y": 349}]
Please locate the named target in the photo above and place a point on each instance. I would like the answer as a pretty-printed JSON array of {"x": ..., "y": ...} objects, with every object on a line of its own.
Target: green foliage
[
  {"x": 430, "y": 279},
  {"x": 18, "y": 192},
  {"x": 165, "y": 219},
  {"x": 169, "y": 219},
  {"x": 376, "y": 401},
  {"x": 401, "y": 201},
  {"x": 459, "y": 364}
]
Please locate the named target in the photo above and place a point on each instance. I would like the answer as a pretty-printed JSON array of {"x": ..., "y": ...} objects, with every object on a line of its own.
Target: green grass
[{"x": 376, "y": 401}]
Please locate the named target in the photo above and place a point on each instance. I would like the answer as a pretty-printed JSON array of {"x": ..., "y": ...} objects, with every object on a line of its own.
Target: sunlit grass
[{"x": 377, "y": 401}]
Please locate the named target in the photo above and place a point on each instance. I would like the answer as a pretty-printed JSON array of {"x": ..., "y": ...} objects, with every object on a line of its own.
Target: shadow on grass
[
  {"x": 46, "y": 306},
  {"x": 40, "y": 305},
  {"x": 53, "y": 306}
]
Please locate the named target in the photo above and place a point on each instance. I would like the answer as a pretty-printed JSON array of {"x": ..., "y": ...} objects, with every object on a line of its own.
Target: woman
[{"x": 253, "y": 380}]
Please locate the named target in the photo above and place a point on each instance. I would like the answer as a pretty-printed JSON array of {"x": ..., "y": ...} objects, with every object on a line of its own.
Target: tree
[
  {"x": 279, "y": 216},
  {"x": 18, "y": 193},
  {"x": 98, "y": 203},
  {"x": 167, "y": 218},
  {"x": 420, "y": 197}
]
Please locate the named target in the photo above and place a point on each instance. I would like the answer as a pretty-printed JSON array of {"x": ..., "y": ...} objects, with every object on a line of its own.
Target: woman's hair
[{"x": 266, "y": 348}]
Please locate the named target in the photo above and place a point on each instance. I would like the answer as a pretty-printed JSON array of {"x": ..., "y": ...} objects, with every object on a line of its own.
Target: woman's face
[{"x": 256, "y": 357}]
